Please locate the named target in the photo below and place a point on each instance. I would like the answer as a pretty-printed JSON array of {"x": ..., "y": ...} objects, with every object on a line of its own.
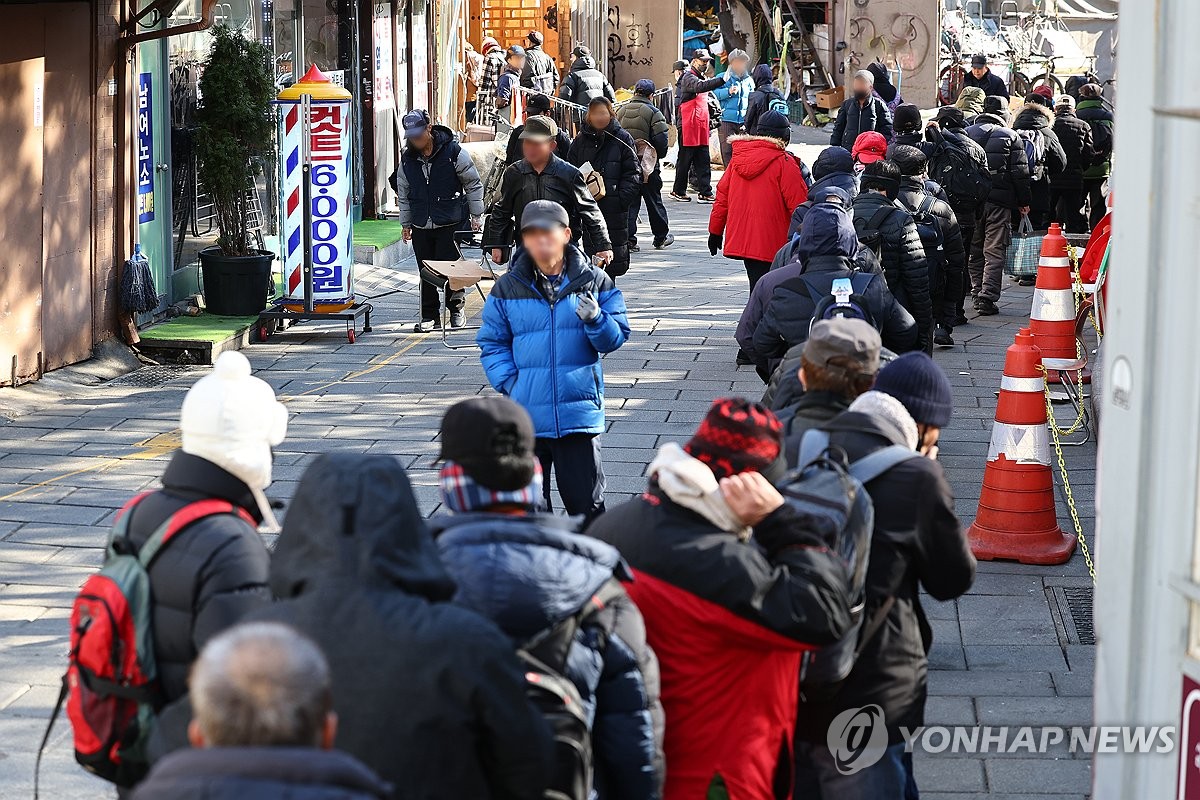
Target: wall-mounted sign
[{"x": 145, "y": 149}]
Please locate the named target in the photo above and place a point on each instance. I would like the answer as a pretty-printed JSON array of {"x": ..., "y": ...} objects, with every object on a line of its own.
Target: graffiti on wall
[{"x": 628, "y": 41}]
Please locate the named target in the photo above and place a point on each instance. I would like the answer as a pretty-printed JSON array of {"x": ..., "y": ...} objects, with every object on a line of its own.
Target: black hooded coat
[{"x": 428, "y": 694}]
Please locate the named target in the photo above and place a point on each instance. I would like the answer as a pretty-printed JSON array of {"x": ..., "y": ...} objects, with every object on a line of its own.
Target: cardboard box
[{"x": 831, "y": 98}]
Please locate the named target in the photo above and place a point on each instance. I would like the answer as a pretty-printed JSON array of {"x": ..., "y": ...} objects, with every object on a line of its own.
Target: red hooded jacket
[{"x": 756, "y": 197}]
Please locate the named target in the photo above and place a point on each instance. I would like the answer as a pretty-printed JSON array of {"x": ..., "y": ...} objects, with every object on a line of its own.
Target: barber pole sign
[{"x": 329, "y": 212}]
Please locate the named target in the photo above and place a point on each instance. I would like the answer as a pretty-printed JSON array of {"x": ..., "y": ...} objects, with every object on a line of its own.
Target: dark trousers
[
  {"x": 726, "y": 130},
  {"x": 1040, "y": 210},
  {"x": 755, "y": 269},
  {"x": 1096, "y": 190},
  {"x": 578, "y": 472},
  {"x": 656, "y": 211},
  {"x": 436, "y": 244},
  {"x": 948, "y": 295},
  {"x": 967, "y": 228},
  {"x": 1067, "y": 202},
  {"x": 698, "y": 158}
]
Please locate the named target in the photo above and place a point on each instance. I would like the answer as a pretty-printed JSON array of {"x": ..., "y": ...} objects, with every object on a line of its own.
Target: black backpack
[
  {"x": 845, "y": 298},
  {"x": 965, "y": 180},
  {"x": 826, "y": 487},
  {"x": 871, "y": 236},
  {"x": 930, "y": 231},
  {"x": 555, "y": 696}
]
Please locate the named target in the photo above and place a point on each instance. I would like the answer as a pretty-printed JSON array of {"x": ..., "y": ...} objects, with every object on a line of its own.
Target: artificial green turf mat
[
  {"x": 377, "y": 233},
  {"x": 204, "y": 328}
]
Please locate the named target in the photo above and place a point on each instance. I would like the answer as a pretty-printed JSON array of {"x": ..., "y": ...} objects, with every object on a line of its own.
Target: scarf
[
  {"x": 462, "y": 494},
  {"x": 689, "y": 482}
]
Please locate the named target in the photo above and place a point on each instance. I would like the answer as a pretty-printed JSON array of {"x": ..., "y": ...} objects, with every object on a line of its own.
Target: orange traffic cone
[
  {"x": 1052, "y": 318},
  {"x": 1016, "y": 518}
]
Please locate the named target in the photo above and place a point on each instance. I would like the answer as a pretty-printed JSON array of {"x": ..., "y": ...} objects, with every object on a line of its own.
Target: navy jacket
[
  {"x": 527, "y": 573},
  {"x": 857, "y": 118},
  {"x": 541, "y": 354},
  {"x": 991, "y": 83}
]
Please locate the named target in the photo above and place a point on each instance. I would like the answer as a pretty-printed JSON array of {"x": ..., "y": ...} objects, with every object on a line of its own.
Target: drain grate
[
  {"x": 1073, "y": 613},
  {"x": 150, "y": 377}
]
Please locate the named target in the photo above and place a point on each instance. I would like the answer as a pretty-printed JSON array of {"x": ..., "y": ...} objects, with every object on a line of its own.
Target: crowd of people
[{"x": 678, "y": 645}]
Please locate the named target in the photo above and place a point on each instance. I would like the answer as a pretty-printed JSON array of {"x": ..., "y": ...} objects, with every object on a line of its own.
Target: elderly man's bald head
[{"x": 261, "y": 684}]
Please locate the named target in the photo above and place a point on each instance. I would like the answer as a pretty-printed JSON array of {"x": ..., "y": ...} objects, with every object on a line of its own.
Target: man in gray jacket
[{"x": 437, "y": 189}]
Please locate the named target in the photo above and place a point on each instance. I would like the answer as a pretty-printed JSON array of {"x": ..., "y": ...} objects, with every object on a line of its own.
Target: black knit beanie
[{"x": 921, "y": 385}]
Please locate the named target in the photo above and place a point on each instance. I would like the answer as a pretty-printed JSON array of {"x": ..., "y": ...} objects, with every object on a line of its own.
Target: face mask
[{"x": 861, "y": 95}]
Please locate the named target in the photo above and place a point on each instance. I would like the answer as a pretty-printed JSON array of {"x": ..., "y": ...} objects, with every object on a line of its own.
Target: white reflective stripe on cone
[
  {"x": 1011, "y": 384},
  {"x": 1025, "y": 444},
  {"x": 1053, "y": 305},
  {"x": 1054, "y": 261}
]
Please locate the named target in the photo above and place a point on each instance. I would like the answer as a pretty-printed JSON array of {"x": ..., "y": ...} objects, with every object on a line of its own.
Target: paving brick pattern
[{"x": 64, "y": 470}]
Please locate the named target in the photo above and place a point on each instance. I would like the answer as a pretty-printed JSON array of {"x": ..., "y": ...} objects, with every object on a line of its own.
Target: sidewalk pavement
[{"x": 998, "y": 658}]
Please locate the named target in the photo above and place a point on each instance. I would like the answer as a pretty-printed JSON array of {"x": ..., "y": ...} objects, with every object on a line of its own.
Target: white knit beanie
[
  {"x": 232, "y": 419},
  {"x": 886, "y": 407}
]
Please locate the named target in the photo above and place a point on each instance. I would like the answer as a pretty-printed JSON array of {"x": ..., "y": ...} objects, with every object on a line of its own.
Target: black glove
[{"x": 714, "y": 243}]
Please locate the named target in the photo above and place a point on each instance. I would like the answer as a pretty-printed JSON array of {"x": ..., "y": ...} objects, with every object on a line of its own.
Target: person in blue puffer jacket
[
  {"x": 556, "y": 593},
  {"x": 545, "y": 325},
  {"x": 733, "y": 97}
]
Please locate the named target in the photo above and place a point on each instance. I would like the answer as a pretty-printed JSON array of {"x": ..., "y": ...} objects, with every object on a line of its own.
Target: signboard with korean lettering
[
  {"x": 145, "y": 148},
  {"x": 1189, "y": 742},
  {"x": 328, "y": 214}
]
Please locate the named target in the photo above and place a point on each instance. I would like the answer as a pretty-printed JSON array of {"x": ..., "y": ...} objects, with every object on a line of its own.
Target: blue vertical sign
[{"x": 145, "y": 149}]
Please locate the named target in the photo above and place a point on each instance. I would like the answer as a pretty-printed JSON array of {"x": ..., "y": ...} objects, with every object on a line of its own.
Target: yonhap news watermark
[{"x": 858, "y": 738}]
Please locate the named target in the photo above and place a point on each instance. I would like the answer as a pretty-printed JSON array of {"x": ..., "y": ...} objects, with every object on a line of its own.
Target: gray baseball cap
[
  {"x": 848, "y": 338},
  {"x": 544, "y": 215},
  {"x": 539, "y": 128}
]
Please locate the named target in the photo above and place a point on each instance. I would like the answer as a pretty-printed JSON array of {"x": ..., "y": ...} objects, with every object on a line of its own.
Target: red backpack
[{"x": 111, "y": 684}]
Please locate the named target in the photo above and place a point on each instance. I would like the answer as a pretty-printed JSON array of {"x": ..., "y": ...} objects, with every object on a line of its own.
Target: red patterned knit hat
[{"x": 737, "y": 436}]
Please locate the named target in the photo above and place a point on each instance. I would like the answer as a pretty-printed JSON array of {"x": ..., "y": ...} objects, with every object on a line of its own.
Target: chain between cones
[
  {"x": 1052, "y": 423},
  {"x": 1080, "y": 292}
]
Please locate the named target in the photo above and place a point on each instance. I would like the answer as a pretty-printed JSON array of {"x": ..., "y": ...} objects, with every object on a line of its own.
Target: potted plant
[{"x": 234, "y": 135}]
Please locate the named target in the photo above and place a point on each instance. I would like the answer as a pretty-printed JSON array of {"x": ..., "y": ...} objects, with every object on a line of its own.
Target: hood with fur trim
[{"x": 1033, "y": 117}]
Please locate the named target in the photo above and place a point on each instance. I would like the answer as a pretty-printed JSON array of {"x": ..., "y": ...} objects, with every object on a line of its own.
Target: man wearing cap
[
  {"x": 1067, "y": 194},
  {"x": 868, "y": 148},
  {"x": 734, "y": 585},
  {"x": 982, "y": 77},
  {"x": 647, "y": 124},
  {"x": 543, "y": 175},
  {"x": 863, "y": 111},
  {"x": 584, "y": 82},
  {"x": 539, "y": 72},
  {"x": 489, "y": 81},
  {"x": 733, "y": 96},
  {"x": 545, "y": 325},
  {"x": 533, "y": 574},
  {"x": 437, "y": 189},
  {"x": 917, "y": 544},
  {"x": 837, "y": 362},
  {"x": 692, "y": 99},
  {"x": 510, "y": 79},
  {"x": 535, "y": 105}
]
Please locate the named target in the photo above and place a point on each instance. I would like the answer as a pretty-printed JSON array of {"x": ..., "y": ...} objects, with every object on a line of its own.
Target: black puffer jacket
[
  {"x": 857, "y": 118},
  {"x": 913, "y": 191},
  {"x": 965, "y": 208},
  {"x": 560, "y": 182},
  {"x": 903, "y": 260},
  {"x": 585, "y": 83},
  {"x": 759, "y": 101},
  {"x": 611, "y": 152},
  {"x": 1076, "y": 138},
  {"x": 211, "y": 575},
  {"x": 918, "y": 542},
  {"x": 428, "y": 694},
  {"x": 1006, "y": 161},
  {"x": 528, "y": 573},
  {"x": 264, "y": 773},
  {"x": 1033, "y": 117}
]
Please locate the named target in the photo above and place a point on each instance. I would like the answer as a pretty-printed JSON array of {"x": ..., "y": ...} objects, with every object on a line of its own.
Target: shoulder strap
[
  {"x": 870, "y": 467},
  {"x": 877, "y": 219},
  {"x": 859, "y": 281},
  {"x": 188, "y": 515},
  {"x": 813, "y": 443},
  {"x": 926, "y": 205}
]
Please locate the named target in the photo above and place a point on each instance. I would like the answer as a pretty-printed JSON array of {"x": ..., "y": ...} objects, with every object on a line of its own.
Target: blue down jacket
[
  {"x": 541, "y": 354},
  {"x": 527, "y": 573}
]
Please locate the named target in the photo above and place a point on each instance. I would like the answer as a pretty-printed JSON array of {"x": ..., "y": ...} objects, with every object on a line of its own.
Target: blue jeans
[{"x": 890, "y": 778}]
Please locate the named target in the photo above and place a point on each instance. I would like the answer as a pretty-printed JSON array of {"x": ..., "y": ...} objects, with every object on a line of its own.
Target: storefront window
[{"x": 321, "y": 34}]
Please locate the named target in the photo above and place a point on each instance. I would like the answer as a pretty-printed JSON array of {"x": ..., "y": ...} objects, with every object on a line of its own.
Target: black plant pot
[{"x": 235, "y": 286}]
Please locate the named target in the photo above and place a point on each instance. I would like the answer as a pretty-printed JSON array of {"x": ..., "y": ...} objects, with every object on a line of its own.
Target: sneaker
[
  {"x": 682, "y": 198},
  {"x": 1026, "y": 281},
  {"x": 985, "y": 307},
  {"x": 706, "y": 198},
  {"x": 666, "y": 241},
  {"x": 633, "y": 248},
  {"x": 427, "y": 326},
  {"x": 960, "y": 319},
  {"x": 458, "y": 319},
  {"x": 743, "y": 360},
  {"x": 942, "y": 338}
]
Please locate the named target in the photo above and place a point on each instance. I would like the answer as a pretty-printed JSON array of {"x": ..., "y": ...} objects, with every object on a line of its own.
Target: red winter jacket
[
  {"x": 756, "y": 197},
  {"x": 728, "y": 621}
]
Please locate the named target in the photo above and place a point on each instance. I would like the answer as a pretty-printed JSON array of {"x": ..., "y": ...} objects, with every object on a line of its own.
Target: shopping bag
[{"x": 1024, "y": 250}]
